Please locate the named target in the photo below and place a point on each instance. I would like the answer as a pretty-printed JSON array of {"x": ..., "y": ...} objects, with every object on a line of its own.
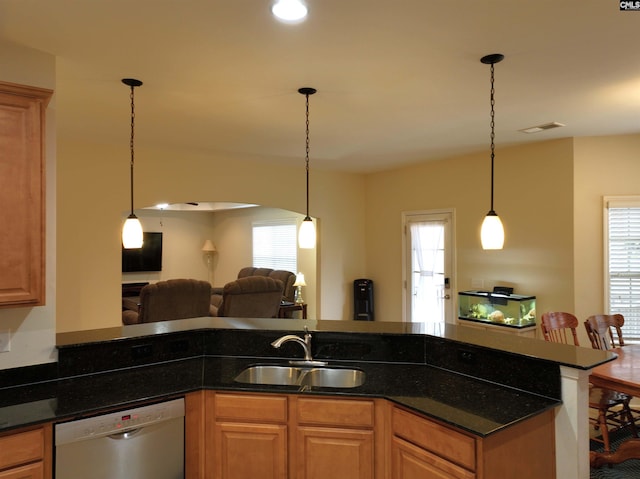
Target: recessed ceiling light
[
  {"x": 289, "y": 11},
  {"x": 546, "y": 126}
]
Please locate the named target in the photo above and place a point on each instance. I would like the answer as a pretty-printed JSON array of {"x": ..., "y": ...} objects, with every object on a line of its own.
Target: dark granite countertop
[
  {"x": 473, "y": 405},
  {"x": 481, "y": 383}
]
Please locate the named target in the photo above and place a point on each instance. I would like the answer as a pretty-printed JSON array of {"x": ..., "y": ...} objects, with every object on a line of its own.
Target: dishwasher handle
[{"x": 125, "y": 434}]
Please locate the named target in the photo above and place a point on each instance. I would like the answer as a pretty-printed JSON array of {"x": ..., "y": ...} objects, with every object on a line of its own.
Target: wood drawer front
[
  {"x": 444, "y": 442},
  {"x": 250, "y": 407},
  {"x": 21, "y": 448},
  {"x": 30, "y": 471},
  {"x": 336, "y": 412},
  {"x": 413, "y": 462}
]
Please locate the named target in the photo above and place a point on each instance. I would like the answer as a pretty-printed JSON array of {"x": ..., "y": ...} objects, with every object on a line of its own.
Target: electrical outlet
[{"x": 5, "y": 341}]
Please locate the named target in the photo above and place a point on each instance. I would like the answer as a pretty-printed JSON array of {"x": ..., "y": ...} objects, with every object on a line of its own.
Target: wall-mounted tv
[{"x": 147, "y": 258}]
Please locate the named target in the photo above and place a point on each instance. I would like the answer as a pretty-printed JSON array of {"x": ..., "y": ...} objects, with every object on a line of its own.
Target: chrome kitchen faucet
[{"x": 306, "y": 345}]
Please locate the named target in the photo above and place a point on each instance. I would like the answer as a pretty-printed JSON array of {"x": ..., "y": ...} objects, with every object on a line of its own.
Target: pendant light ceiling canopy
[
  {"x": 132, "y": 229},
  {"x": 307, "y": 233},
  {"x": 492, "y": 231}
]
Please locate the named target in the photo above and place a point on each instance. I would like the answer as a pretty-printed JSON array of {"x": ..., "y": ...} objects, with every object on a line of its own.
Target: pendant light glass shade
[
  {"x": 132, "y": 237},
  {"x": 132, "y": 233},
  {"x": 289, "y": 10},
  {"x": 307, "y": 233},
  {"x": 492, "y": 231}
]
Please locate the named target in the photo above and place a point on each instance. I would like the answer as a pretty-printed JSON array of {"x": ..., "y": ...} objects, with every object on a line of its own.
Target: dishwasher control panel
[{"x": 117, "y": 422}]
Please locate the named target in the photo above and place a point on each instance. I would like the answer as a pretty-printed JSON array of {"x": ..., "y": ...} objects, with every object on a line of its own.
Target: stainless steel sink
[
  {"x": 284, "y": 375},
  {"x": 334, "y": 378},
  {"x": 300, "y": 376}
]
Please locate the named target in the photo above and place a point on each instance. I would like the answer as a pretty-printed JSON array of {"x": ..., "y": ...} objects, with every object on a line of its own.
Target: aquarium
[{"x": 512, "y": 310}]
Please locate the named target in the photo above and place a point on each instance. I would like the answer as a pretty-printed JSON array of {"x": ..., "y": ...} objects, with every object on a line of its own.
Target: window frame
[{"x": 632, "y": 322}]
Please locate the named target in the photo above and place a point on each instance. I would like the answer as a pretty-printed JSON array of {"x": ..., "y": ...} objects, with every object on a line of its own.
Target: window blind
[
  {"x": 624, "y": 265},
  {"x": 274, "y": 244}
]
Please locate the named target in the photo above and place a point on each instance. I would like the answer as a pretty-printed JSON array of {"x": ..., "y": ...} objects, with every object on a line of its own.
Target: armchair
[
  {"x": 171, "y": 299},
  {"x": 287, "y": 278},
  {"x": 251, "y": 297}
]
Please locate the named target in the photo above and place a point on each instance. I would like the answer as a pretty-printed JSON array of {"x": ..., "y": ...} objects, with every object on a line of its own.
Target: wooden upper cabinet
[{"x": 22, "y": 194}]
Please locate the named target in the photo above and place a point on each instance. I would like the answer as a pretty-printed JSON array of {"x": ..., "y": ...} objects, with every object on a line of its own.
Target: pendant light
[
  {"x": 492, "y": 231},
  {"x": 307, "y": 234},
  {"x": 289, "y": 11},
  {"x": 132, "y": 229}
]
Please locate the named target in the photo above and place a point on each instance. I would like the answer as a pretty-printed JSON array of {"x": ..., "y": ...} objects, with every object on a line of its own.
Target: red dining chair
[{"x": 613, "y": 408}]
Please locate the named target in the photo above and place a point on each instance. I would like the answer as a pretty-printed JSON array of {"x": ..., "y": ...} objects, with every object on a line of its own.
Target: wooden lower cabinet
[
  {"x": 335, "y": 438},
  {"x": 27, "y": 454},
  {"x": 251, "y": 451},
  {"x": 426, "y": 449},
  {"x": 333, "y": 452},
  {"x": 270, "y": 436},
  {"x": 246, "y": 436},
  {"x": 281, "y": 437}
]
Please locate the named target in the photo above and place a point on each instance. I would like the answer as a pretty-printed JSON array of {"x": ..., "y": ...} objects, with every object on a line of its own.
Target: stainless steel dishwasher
[{"x": 141, "y": 443}]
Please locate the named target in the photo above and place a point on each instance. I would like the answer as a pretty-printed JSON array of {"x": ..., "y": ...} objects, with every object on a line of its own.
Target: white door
[{"x": 428, "y": 254}]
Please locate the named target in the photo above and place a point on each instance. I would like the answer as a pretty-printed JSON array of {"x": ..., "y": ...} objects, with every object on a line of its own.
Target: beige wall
[
  {"x": 604, "y": 166},
  {"x": 93, "y": 194},
  {"x": 32, "y": 330},
  {"x": 533, "y": 196}
]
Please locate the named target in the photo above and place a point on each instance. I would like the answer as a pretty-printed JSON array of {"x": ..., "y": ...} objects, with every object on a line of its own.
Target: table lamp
[
  {"x": 299, "y": 284},
  {"x": 209, "y": 248}
]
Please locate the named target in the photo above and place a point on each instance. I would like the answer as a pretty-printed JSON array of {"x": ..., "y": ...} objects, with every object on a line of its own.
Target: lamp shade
[
  {"x": 307, "y": 234},
  {"x": 300, "y": 280},
  {"x": 492, "y": 232},
  {"x": 132, "y": 233},
  {"x": 289, "y": 10},
  {"x": 208, "y": 247}
]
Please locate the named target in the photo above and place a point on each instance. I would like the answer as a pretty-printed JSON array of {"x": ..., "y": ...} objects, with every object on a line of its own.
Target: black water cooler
[{"x": 363, "y": 299}]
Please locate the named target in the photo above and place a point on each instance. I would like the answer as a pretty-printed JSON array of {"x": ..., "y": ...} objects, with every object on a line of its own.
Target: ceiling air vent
[{"x": 546, "y": 126}]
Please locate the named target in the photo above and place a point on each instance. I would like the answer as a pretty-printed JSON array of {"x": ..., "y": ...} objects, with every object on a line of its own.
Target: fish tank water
[{"x": 511, "y": 310}]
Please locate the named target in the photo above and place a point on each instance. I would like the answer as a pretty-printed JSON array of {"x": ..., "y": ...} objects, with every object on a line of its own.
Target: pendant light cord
[
  {"x": 307, "y": 151},
  {"x": 131, "y": 143},
  {"x": 493, "y": 123}
]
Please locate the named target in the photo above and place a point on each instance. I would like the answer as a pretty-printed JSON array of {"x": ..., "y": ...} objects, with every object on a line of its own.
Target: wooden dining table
[{"x": 623, "y": 375}]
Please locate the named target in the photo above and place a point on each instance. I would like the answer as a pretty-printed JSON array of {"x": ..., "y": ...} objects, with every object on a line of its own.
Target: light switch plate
[{"x": 5, "y": 341}]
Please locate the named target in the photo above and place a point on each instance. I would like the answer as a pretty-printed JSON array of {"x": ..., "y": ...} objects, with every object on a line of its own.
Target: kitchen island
[{"x": 480, "y": 384}]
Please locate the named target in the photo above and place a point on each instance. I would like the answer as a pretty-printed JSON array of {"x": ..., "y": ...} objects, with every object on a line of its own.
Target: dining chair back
[
  {"x": 558, "y": 327},
  {"x": 604, "y": 329}
]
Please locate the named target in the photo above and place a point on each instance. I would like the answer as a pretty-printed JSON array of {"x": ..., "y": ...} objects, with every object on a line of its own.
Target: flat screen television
[{"x": 147, "y": 258}]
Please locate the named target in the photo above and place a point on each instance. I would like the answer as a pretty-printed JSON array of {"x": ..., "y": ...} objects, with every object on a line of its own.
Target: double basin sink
[{"x": 324, "y": 377}]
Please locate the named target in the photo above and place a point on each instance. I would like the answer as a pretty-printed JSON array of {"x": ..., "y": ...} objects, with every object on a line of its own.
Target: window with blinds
[
  {"x": 622, "y": 253},
  {"x": 274, "y": 244}
]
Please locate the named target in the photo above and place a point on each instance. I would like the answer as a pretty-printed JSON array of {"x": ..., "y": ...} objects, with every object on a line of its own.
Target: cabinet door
[
  {"x": 412, "y": 462},
  {"x": 31, "y": 471},
  {"x": 325, "y": 453},
  {"x": 22, "y": 113},
  {"x": 250, "y": 451}
]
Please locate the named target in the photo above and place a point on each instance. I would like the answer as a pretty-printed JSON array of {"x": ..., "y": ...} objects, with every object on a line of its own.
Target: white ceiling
[{"x": 398, "y": 81}]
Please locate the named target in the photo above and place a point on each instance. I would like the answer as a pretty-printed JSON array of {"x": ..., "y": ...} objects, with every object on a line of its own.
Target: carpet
[{"x": 625, "y": 470}]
